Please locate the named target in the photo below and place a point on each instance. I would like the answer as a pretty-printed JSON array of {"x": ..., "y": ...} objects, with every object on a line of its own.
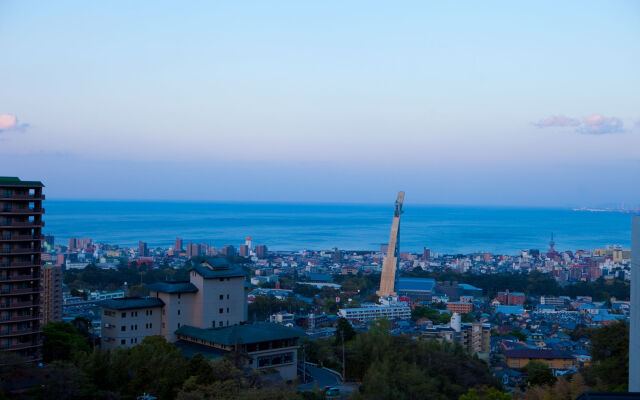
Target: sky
[{"x": 499, "y": 103}]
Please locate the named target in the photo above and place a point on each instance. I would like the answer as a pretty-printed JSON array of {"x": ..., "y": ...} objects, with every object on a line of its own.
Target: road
[{"x": 323, "y": 378}]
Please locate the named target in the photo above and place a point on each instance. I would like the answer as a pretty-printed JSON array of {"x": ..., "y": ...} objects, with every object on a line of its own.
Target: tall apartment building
[
  {"x": 178, "y": 245},
  {"x": 261, "y": 251},
  {"x": 20, "y": 263},
  {"x": 228, "y": 251},
  {"x": 51, "y": 280},
  {"x": 143, "y": 251},
  {"x": 634, "y": 344}
]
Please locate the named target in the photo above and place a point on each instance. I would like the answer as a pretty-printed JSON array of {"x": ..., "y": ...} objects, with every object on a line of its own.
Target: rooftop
[
  {"x": 537, "y": 353},
  {"x": 422, "y": 284},
  {"x": 252, "y": 333},
  {"x": 128, "y": 303},
  {"x": 215, "y": 267},
  {"x": 14, "y": 181},
  {"x": 173, "y": 287}
]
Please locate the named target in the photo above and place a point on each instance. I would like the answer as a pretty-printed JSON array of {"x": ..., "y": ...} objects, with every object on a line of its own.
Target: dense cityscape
[{"x": 528, "y": 325}]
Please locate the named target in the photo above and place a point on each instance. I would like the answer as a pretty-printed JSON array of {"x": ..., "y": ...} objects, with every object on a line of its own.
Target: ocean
[{"x": 296, "y": 226}]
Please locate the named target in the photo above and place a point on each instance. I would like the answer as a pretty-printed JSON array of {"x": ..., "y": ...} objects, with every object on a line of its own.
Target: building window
[
  {"x": 178, "y": 324},
  {"x": 123, "y": 328},
  {"x": 220, "y": 324},
  {"x": 221, "y": 311},
  {"x": 150, "y": 312},
  {"x": 178, "y": 312},
  {"x": 227, "y": 309},
  {"x": 150, "y": 326},
  {"x": 221, "y": 297},
  {"x": 123, "y": 341},
  {"x": 227, "y": 297},
  {"x": 124, "y": 315}
]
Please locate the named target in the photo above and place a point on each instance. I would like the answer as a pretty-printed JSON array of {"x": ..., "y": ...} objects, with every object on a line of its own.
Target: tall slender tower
[
  {"x": 20, "y": 265},
  {"x": 634, "y": 336},
  {"x": 390, "y": 265}
]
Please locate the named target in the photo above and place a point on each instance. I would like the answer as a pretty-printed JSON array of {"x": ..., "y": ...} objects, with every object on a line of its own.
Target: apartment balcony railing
[
  {"x": 23, "y": 331},
  {"x": 19, "y": 264},
  {"x": 22, "y": 211},
  {"x": 19, "y": 251},
  {"x": 18, "y": 318},
  {"x": 22, "y": 197},
  {"x": 19, "y": 277},
  {"x": 19, "y": 291},
  {"x": 31, "y": 224},
  {"x": 19, "y": 346},
  {"x": 19, "y": 238},
  {"x": 18, "y": 304}
]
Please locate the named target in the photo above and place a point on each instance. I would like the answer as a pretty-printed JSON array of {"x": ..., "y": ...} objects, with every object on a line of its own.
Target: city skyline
[{"x": 499, "y": 103}]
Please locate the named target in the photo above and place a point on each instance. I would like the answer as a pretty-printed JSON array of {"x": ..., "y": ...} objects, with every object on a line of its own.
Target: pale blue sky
[{"x": 455, "y": 102}]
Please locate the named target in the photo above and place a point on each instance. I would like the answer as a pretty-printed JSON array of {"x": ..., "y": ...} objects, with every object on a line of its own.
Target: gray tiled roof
[
  {"x": 172, "y": 287},
  {"x": 128, "y": 303},
  {"x": 215, "y": 267},
  {"x": 537, "y": 353}
]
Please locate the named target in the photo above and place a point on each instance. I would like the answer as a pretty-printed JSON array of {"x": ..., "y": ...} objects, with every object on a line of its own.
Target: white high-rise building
[{"x": 634, "y": 337}]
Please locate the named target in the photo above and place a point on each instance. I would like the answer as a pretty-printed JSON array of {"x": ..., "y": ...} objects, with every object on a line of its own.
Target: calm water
[{"x": 322, "y": 226}]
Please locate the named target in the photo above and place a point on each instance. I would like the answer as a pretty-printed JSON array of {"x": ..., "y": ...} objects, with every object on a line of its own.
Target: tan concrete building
[
  {"x": 127, "y": 321},
  {"x": 554, "y": 359},
  {"x": 214, "y": 297},
  {"x": 51, "y": 281}
]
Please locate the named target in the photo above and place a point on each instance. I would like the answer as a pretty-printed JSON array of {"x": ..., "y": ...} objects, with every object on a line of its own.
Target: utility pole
[
  {"x": 344, "y": 375},
  {"x": 304, "y": 366}
]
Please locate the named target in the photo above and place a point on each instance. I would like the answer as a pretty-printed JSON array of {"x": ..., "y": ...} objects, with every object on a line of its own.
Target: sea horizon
[{"x": 294, "y": 226}]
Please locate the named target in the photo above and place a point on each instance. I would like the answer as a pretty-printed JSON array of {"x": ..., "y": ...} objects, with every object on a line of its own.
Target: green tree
[
  {"x": 610, "y": 357},
  {"x": 485, "y": 393},
  {"x": 539, "y": 374},
  {"x": 61, "y": 341},
  {"x": 344, "y": 327}
]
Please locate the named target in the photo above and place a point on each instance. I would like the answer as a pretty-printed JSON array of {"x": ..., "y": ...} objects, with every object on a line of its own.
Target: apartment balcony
[
  {"x": 17, "y": 332},
  {"x": 30, "y": 197},
  {"x": 20, "y": 251},
  {"x": 19, "y": 304},
  {"x": 19, "y": 277},
  {"x": 19, "y": 238},
  {"x": 20, "y": 264},
  {"x": 19, "y": 318},
  {"x": 18, "y": 292},
  {"x": 21, "y": 224},
  {"x": 22, "y": 211},
  {"x": 20, "y": 346}
]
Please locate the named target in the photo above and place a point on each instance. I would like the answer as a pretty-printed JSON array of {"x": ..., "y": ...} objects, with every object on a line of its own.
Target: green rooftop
[
  {"x": 252, "y": 333},
  {"x": 15, "y": 181}
]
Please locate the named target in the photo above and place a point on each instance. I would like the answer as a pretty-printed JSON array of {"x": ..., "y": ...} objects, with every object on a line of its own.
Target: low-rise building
[
  {"x": 262, "y": 345},
  {"x": 460, "y": 307},
  {"x": 373, "y": 312},
  {"x": 554, "y": 359},
  {"x": 127, "y": 321}
]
